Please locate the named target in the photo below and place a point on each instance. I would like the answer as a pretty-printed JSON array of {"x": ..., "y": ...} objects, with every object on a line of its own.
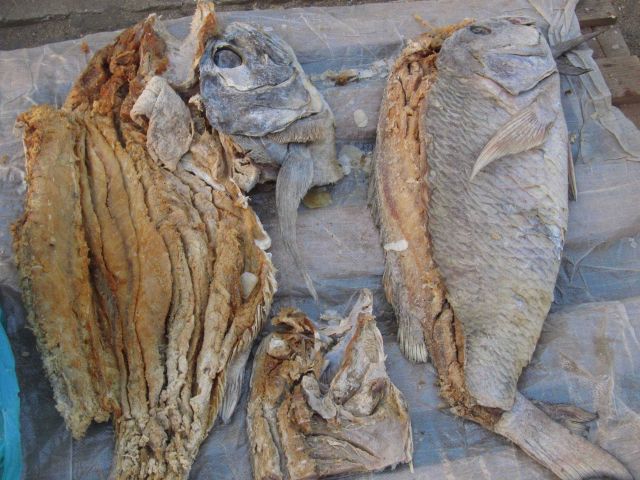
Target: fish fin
[
  {"x": 569, "y": 416},
  {"x": 233, "y": 387},
  {"x": 411, "y": 340},
  {"x": 571, "y": 169},
  {"x": 563, "y": 47},
  {"x": 525, "y": 130},
  {"x": 565, "y": 67},
  {"x": 293, "y": 182},
  {"x": 569, "y": 456}
]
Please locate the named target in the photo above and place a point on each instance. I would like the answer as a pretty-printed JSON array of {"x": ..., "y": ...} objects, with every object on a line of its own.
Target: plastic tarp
[{"x": 589, "y": 352}]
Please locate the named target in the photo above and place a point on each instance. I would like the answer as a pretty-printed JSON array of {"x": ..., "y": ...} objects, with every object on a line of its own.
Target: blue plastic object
[{"x": 10, "y": 445}]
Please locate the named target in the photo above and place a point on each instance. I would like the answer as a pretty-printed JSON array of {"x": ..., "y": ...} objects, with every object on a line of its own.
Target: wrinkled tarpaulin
[{"x": 589, "y": 353}]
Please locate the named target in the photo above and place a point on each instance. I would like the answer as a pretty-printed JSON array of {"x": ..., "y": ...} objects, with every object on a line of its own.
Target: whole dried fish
[
  {"x": 321, "y": 401},
  {"x": 142, "y": 267},
  {"x": 470, "y": 177},
  {"x": 255, "y": 90}
]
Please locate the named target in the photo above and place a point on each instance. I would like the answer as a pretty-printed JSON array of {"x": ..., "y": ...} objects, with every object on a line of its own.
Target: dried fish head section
[
  {"x": 321, "y": 402},
  {"x": 143, "y": 269},
  {"x": 254, "y": 89}
]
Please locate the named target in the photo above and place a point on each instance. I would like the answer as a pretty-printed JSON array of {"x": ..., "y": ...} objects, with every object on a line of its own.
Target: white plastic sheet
[{"x": 589, "y": 353}]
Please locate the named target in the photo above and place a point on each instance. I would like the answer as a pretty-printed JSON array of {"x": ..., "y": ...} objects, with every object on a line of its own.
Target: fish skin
[{"x": 497, "y": 240}]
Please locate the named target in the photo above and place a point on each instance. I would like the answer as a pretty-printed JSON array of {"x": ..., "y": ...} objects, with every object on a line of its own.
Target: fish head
[
  {"x": 252, "y": 83},
  {"x": 246, "y": 58},
  {"x": 509, "y": 51},
  {"x": 254, "y": 89}
]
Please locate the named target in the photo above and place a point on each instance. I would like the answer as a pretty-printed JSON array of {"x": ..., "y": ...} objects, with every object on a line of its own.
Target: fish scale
[
  {"x": 484, "y": 231},
  {"x": 499, "y": 268}
]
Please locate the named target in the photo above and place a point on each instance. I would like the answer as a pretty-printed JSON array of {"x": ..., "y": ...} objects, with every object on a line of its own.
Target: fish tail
[
  {"x": 569, "y": 456},
  {"x": 294, "y": 180}
]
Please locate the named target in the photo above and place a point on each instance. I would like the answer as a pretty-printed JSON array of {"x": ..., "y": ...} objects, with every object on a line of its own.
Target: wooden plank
[
  {"x": 596, "y": 13},
  {"x": 612, "y": 42},
  {"x": 593, "y": 44},
  {"x": 622, "y": 75},
  {"x": 632, "y": 112}
]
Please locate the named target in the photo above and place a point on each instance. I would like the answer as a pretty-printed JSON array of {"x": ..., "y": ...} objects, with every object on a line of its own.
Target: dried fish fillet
[
  {"x": 321, "y": 401},
  {"x": 471, "y": 176},
  {"x": 145, "y": 280}
]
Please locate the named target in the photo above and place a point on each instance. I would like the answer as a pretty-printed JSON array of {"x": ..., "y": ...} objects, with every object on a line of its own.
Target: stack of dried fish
[
  {"x": 321, "y": 401},
  {"x": 143, "y": 269}
]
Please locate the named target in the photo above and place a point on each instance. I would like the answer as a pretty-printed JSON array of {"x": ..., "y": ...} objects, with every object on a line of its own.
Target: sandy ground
[
  {"x": 27, "y": 23},
  {"x": 629, "y": 22}
]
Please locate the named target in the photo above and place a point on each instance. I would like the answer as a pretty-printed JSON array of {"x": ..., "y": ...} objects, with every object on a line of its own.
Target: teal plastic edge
[{"x": 10, "y": 442}]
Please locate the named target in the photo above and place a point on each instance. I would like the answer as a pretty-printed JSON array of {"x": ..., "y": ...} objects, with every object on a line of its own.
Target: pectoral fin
[
  {"x": 294, "y": 180},
  {"x": 233, "y": 388},
  {"x": 524, "y": 131}
]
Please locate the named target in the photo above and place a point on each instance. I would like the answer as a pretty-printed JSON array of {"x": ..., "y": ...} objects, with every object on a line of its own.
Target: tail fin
[
  {"x": 569, "y": 456},
  {"x": 294, "y": 180}
]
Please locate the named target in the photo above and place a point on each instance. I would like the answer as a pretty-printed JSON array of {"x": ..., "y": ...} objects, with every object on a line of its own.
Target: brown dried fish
[
  {"x": 470, "y": 190},
  {"x": 321, "y": 401},
  {"x": 143, "y": 270}
]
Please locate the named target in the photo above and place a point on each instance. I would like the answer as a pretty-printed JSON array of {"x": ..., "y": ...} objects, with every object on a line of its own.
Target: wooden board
[
  {"x": 594, "y": 44},
  {"x": 612, "y": 42},
  {"x": 595, "y": 13},
  {"x": 622, "y": 75},
  {"x": 632, "y": 112}
]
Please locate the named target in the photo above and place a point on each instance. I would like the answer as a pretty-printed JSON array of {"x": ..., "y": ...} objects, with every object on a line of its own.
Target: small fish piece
[
  {"x": 471, "y": 169},
  {"x": 170, "y": 128},
  {"x": 254, "y": 90},
  {"x": 321, "y": 402}
]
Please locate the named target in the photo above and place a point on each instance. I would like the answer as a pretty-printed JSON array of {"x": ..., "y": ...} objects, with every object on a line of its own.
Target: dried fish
[
  {"x": 255, "y": 90},
  {"x": 321, "y": 401},
  {"x": 142, "y": 266},
  {"x": 471, "y": 171}
]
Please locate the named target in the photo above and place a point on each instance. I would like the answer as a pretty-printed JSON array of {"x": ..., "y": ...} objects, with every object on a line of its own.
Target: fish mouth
[{"x": 229, "y": 82}]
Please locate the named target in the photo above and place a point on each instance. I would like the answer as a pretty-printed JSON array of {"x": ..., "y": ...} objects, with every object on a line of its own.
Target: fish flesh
[
  {"x": 254, "y": 90},
  {"x": 143, "y": 269},
  {"x": 471, "y": 175},
  {"x": 321, "y": 401}
]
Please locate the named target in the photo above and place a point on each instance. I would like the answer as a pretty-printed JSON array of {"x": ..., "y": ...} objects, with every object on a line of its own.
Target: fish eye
[
  {"x": 226, "y": 58},
  {"x": 480, "y": 30}
]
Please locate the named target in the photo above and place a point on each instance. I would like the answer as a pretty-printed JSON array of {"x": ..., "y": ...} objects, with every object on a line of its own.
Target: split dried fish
[
  {"x": 471, "y": 168},
  {"x": 255, "y": 90},
  {"x": 142, "y": 267},
  {"x": 321, "y": 402}
]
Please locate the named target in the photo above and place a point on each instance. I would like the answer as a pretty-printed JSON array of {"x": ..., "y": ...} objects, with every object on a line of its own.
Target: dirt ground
[
  {"x": 629, "y": 22},
  {"x": 28, "y": 23}
]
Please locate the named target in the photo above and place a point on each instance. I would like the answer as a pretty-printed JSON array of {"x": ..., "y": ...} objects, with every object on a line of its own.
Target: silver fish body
[
  {"x": 497, "y": 238},
  {"x": 470, "y": 175}
]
